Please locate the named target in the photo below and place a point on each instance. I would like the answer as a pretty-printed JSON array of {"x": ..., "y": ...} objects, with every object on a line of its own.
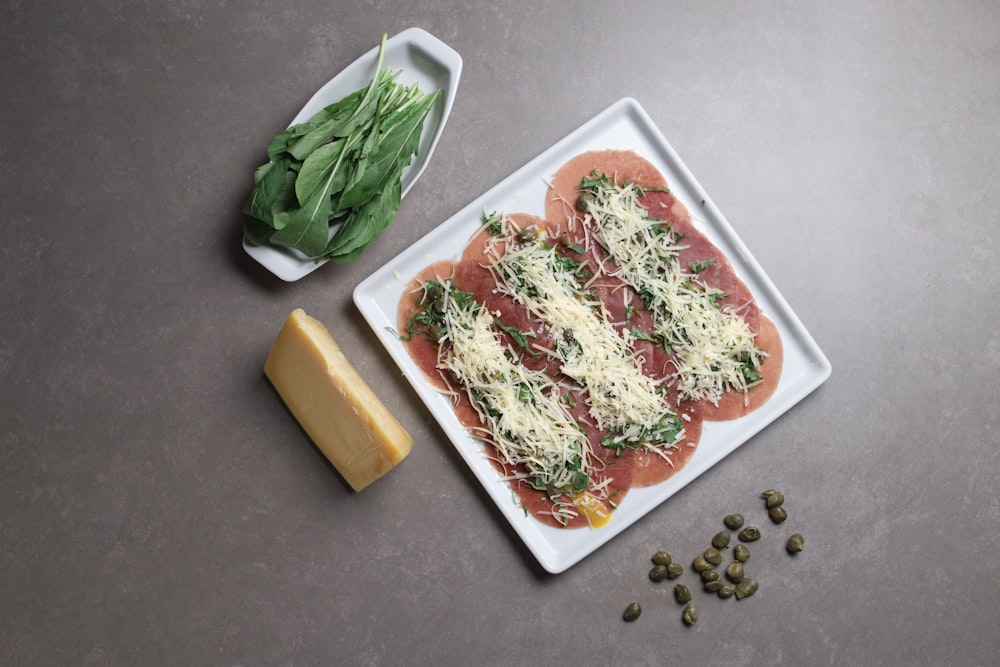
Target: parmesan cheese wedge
[{"x": 334, "y": 405}]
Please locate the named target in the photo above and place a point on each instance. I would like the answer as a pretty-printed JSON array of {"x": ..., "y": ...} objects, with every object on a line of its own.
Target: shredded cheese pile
[
  {"x": 712, "y": 345},
  {"x": 528, "y": 424},
  {"x": 620, "y": 397}
]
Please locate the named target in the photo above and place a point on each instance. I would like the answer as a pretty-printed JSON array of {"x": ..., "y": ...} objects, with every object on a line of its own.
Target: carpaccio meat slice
[{"x": 563, "y": 227}]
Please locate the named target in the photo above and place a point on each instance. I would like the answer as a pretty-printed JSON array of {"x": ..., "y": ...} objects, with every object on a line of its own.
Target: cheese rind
[{"x": 334, "y": 405}]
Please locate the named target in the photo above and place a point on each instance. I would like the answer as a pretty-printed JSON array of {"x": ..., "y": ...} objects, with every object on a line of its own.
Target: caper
[
  {"x": 775, "y": 500},
  {"x": 735, "y": 572},
  {"x": 741, "y": 553},
  {"x": 721, "y": 540},
  {"x": 674, "y": 570},
  {"x": 436, "y": 332},
  {"x": 662, "y": 558},
  {"x": 682, "y": 594},
  {"x": 658, "y": 573},
  {"x": 632, "y": 612},
  {"x": 746, "y": 588},
  {"x": 777, "y": 514},
  {"x": 700, "y": 564},
  {"x": 713, "y": 586},
  {"x": 690, "y": 614},
  {"x": 795, "y": 544},
  {"x": 713, "y": 556},
  {"x": 528, "y": 234},
  {"x": 733, "y": 521},
  {"x": 710, "y": 575},
  {"x": 555, "y": 490},
  {"x": 585, "y": 201},
  {"x": 432, "y": 292},
  {"x": 749, "y": 534},
  {"x": 726, "y": 591},
  {"x": 767, "y": 494}
]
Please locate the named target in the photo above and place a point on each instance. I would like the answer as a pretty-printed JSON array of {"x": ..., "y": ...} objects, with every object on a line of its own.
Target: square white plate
[
  {"x": 625, "y": 126},
  {"x": 422, "y": 59}
]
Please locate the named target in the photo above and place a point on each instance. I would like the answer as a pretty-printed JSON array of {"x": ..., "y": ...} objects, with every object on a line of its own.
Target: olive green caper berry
[
  {"x": 775, "y": 500},
  {"x": 713, "y": 586},
  {"x": 741, "y": 553},
  {"x": 674, "y": 570},
  {"x": 795, "y": 544},
  {"x": 658, "y": 573},
  {"x": 735, "y": 572},
  {"x": 662, "y": 558},
  {"x": 777, "y": 514},
  {"x": 528, "y": 234},
  {"x": 733, "y": 521},
  {"x": 700, "y": 564},
  {"x": 710, "y": 575},
  {"x": 749, "y": 534},
  {"x": 767, "y": 494},
  {"x": 585, "y": 201},
  {"x": 682, "y": 594},
  {"x": 727, "y": 591},
  {"x": 713, "y": 556},
  {"x": 632, "y": 612},
  {"x": 721, "y": 540},
  {"x": 746, "y": 588},
  {"x": 690, "y": 614}
]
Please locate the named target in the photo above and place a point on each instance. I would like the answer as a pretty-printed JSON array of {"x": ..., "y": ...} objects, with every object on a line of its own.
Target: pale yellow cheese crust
[{"x": 334, "y": 405}]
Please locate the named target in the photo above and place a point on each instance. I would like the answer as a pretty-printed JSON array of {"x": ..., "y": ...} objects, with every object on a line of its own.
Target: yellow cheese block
[{"x": 338, "y": 410}]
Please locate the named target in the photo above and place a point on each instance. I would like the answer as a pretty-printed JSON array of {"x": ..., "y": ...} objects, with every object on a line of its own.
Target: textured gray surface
[{"x": 160, "y": 506}]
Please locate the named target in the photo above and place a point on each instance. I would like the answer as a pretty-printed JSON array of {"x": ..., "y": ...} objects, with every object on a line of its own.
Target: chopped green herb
[{"x": 701, "y": 266}]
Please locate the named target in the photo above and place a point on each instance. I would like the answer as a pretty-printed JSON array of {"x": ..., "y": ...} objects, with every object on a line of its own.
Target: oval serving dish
[{"x": 422, "y": 59}]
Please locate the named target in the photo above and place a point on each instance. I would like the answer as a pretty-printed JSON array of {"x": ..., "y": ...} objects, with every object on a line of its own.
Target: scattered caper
[
  {"x": 749, "y": 534},
  {"x": 658, "y": 573},
  {"x": 741, "y": 553},
  {"x": 721, "y": 540},
  {"x": 733, "y": 521},
  {"x": 632, "y": 612},
  {"x": 767, "y": 494},
  {"x": 682, "y": 594},
  {"x": 700, "y": 564},
  {"x": 726, "y": 591},
  {"x": 585, "y": 201},
  {"x": 713, "y": 556},
  {"x": 674, "y": 570},
  {"x": 777, "y": 514},
  {"x": 528, "y": 234},
  {"x": 735, "y": 572},
  {"x": 710, "y": 575},
  {"x": 713, "y": 586},
  {"x": 775, "y": 500},
  {"x": 690, "y": 614},
  {"x": 795, "y": 544},
  {"x": 662, "y": 558},
  {"x": 746, "y": 588}
]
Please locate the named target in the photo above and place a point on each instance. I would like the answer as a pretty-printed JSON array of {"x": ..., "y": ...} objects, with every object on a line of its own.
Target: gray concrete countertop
[{"x": 159, "y": 505}]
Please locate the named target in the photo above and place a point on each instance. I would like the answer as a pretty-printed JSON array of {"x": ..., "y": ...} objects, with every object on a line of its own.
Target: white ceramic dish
[
  {"x": 423, "y": 59},
  {"x": 624, "y": 125}
]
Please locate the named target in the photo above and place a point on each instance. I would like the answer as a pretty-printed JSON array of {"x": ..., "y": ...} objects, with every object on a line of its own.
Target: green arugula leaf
[
  {"x": 322, "y": 169},
  {"x": 366, "y": 223},
  {"x": 270, "y": 181},
  {"x": 305, "y": 228}
]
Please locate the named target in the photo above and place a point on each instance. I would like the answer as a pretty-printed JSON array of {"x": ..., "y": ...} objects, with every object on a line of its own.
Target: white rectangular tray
[{"x": 625, "y": 126}]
